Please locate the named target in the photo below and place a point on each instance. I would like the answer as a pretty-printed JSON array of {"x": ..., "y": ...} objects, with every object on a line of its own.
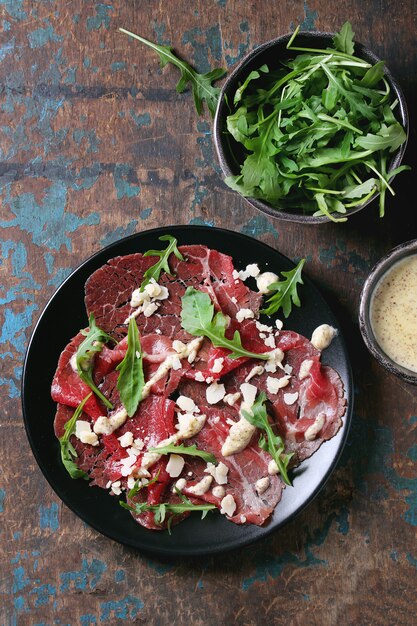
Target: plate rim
[{"x": 183, "y": 551}]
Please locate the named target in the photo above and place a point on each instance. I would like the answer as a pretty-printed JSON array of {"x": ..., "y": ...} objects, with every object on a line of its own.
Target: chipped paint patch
[
  {"x": 20, "y": 580},
  {"x": 412, "y": 560},
  {"x": 14, "y": 8},
  {"x": 144, "y": 119},
  {"x": 339, "y": 257},
  {"x": 202, "y": 42},
  {"x": 117, "y": 66},
  {"x": 101, "y": 18},
  {"x": 48, "y": 517},
  {"x": 47, "y": 221},
  {"x": 119, "y": 576},
  {"x": 119, "y": 233},
  {"x": 258, "y": 226},
  {"x": 372, "y": 446},
  {"x": 44, "y": 594},
  {"x": 200, "y": 221},
  {"x": 41, "y": 36},
  {"x": 125, "y": 181},
  {"x": 2, "y": 499},
  {"x": 243, "y": 47},
  {"x": 145, "y": 213},
  {"x": 87, "y": 577},
  {"x": 127, "y": 608}
]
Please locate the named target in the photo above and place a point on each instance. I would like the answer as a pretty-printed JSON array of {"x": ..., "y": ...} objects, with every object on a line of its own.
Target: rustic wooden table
[{"x": 96, "y": 144}]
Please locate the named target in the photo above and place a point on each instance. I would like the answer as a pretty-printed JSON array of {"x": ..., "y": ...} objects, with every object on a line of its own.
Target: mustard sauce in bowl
[{"x": 388, "y": 311}]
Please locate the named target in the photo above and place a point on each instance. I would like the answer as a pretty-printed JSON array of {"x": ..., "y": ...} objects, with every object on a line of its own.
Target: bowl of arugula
[{"x": 311, "y": 127}]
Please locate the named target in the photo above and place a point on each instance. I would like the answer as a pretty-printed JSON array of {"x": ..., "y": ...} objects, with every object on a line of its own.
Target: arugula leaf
[
  {"x": 68, "y": 453},
  {"x": 160, "y": 510},
  {"x": 390, "y": 137},
  {"x": 270, "y": 442},
  {"x": 162, "y": 265},
  {"x": 343, "y": 41},
  {"x": 187, "y": 450},
  {"x": 251, "y": 76},
  {"x": 285, "y": 292},
  {"x": 131, "y": 379},
  {"x": 95, "y": 338},
  {"x": 197, "y": 319},
  {"x": 201, "y": 84},
  {"x": 374, "y": 74}
]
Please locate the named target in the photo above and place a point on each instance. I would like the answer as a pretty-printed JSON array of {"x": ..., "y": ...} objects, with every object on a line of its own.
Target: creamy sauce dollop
[{"x": 393, "y": 312}]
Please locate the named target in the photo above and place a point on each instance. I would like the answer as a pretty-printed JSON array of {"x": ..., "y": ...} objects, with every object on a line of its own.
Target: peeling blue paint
[
  {"x": 127, "y": 608},
  {"x": 119, "y": 233},
  {"x": 87, "y": 577},
  {"x": 102, "y": 17},
  {"x": 47, "y": 221},
  {"x": 412, "y": 452},
  {"x": 412, "y": 560},
  {"x": 20, "y": 604},
  {"x": 258, "y": 226},
  {"x": 7, "y": 48},
  {"x": 125, "y": 181},
  {"x": 15, "y": 325},
  {"x": 243, "y": 48},
  {"x": 141, "y": 120},
  {"x": 20, "y": 580},
  {"x": 200, "y": 221},
  {"x": 310, "y": 16},
  {"x": 44, "y": 594},
  {"x": 160, "y": 28},
  {"x": 202, "y": 42},
  {"x": 145, "y": 213},
  {"x": 268, "y": 565},
  {"x": 14, "y": 8},
  {"x": 2, "y": 499},
  {"x": 17, "y": 535},
  {"x": 41, "y": 36},
  {"x": 48, "y": 517},
  {"x": 119, "y": 576},
  {"x": 79, "y": 134},
  {"x": 373, "y": 447},
  {"x": 116, "y": 66},
  {"x": 338, "y": 256},
  {"x": 88, "y": 619}
]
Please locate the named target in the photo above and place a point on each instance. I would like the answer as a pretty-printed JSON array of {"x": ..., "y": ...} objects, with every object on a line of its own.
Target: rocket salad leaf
[
  {"x": 198, "y": 319},
  {"x": 285, "y": 292},
  {"x": 131, "y": 379},
  {"x": 68, "y": 453},
  {"x": 315, "y": 128},
  {"x": 162, "y": 265},
  {"x": 187, "y": 450},
  {"x": 201, "y": 84},
  {"x": 95, "y": 338},
  {"x": 270, "y": 442}
]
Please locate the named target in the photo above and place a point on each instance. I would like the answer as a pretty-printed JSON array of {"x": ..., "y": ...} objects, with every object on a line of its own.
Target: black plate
[{"x": 65, "y": 314}]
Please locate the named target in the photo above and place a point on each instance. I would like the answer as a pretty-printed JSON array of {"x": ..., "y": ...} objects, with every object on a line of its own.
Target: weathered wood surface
[{"x": 96, "y": 144}]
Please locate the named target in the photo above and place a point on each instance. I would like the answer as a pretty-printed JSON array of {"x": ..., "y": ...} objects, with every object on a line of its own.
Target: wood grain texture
[{"x": 96, "y": 144}]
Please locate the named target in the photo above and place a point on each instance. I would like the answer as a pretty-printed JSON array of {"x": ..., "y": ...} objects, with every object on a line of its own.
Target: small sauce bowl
[{"x": 379, "y": 271}]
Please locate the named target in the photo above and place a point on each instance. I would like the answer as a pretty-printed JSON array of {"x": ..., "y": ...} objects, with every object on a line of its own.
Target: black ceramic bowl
[
  {"x": 383, "y": 266},
  {"x": 272, "y": 53}
]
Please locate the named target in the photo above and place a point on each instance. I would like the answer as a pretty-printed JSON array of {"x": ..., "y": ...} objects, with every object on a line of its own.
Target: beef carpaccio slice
[
  {"x": 305, "y": 406},
  {"x": 108, "y": 291}
]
